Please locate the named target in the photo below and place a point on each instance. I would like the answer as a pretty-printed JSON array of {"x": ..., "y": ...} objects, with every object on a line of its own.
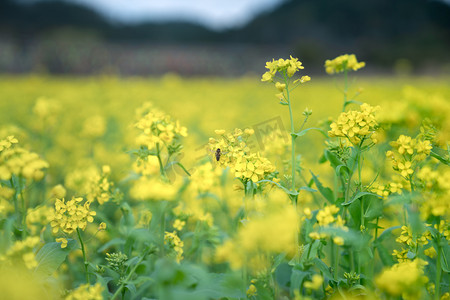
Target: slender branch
[
  {"x": 438, "y": 270},
  {"x": 86, "y": 263},
  {"x": 158, "y": 154}
]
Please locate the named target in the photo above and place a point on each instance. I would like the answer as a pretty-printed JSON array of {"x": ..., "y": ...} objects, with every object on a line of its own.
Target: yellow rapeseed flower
[
  {"x": 343, "y": 63},
  {"x": 72, "y": 214}
]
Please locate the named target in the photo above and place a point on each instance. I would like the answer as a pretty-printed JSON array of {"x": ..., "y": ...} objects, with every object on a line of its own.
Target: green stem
[
  {"x": 352, "y": 260},
  {"x": 345, "y": 88},
  {"x": 292, "y": 142},
  {"x": 158, "y": 154},
  {"x": 16, "y": 204},
  {"x": 373, "y": 245},
  {"x": 411, "y": 183},
  {"x": 438, "y": 271},
  {"x": 21, "y": 212},
  {"x": 309, "y": 250},
  {"x": 86, "y": 263},
  {"x": 334, "y": 259},
  {"x": 24, "y": 210},
  {"x": 130, "y": 274},
  {"x": 362, "y": 214}
]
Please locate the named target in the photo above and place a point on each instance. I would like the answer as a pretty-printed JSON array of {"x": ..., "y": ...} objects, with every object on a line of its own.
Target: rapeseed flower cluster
[
  {"x": 435, "y": 204},
  {"x": 435, "y": 185},
  {"x": 327, "y": 217},
  {"x": 37, "y": 218},
  {"x": 343, "y": 63},
  {"x": 6, "y": 193},
  {"x": 357, "y": 126},
  {"x": 100, "y": 187},
  {"x": 22, "y": 252},
  {"x": 411, "y": 241},
  {"x": 157, "y": 127},
  {"x": 407, "y": 153},
  {"x": 404, "y": 279},
  {"x": 146, "y": 165},
  {"x": 19, "y": 161},
  {"x": 235, "y": 154},
  {"x": 71, "y": 215},
  {"x": 172, "y": 240},
  {"x": 387, "y": 189},
  {"x": 205, "y": 178},
  {"x": 284, "y": 66}
]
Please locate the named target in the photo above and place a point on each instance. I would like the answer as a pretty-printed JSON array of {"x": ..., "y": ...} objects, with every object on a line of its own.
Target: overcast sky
[{"x": 216, "y": 14}]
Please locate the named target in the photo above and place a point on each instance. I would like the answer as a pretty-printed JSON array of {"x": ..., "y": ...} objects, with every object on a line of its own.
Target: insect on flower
[{"x": 217, "y": 154}]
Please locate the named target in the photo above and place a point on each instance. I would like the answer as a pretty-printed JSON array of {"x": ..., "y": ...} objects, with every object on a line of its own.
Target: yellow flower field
[{"x": 272, "y": 186}]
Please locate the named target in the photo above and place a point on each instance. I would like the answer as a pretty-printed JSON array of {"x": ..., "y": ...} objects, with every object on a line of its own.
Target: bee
[{"x": 217, "y": 154}]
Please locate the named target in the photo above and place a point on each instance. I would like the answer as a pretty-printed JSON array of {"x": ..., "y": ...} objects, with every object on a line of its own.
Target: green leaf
[
  {"x": 304, "y": 131},
  {"x": 446, "y": 258},
  {"x": 386, "y": 233},
  {"x": 353, "y": 101},
  {"x": 373, "y": 208},
  {"x": 359, "y": 195},
  {"x": 51, "y": 256},
  {"x": 297, "y": 279},
  {"x": 340, "y": 168},
  {"x": 283, "y": 274},
  {"x": 322, "y": 267},
  {"x": 278, "y": 260},
  {"x": 280, "y": 186},
  {"x": 325, "y": 191},
  {"x": 385, "y": 256},
  {"x": 333, "y": 159},
  {"x": 307, "y": 188},
  {"x": 442, "y": 159},
  {"x": 309, "y": 254}
]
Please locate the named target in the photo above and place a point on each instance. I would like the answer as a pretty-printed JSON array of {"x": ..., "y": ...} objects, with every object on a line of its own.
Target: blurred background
[{"x": 220, "y": 38}]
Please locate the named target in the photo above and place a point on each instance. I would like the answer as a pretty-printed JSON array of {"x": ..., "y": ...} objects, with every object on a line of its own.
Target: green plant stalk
[
  {"x": 373, "y": 246},
  {"x": 309, "y": 250},
  {"x": 21, "y": 212},
  {"x": 86, "y": 263},
  {"x": 345, "y": 88},
  {"x": 288, "y": 99},
  {"x": 130, "y": 274},
  {"x": 352, "y": 261},
  {"x": 411, "y": 183},
  {"x": 158, "y": 154},
  {"x": 292, "y": 143},
  {"x": 438, "y": 271},
  {"x": 334, "y": 258},
  {"x": 24, "y": 210},
  {"x": 15, "y": 200}
]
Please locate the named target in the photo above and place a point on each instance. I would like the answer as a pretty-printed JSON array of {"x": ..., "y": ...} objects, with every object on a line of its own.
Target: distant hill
[
  {"x": 31, "y": 20},
  {"x": 381, "y": 31}
]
